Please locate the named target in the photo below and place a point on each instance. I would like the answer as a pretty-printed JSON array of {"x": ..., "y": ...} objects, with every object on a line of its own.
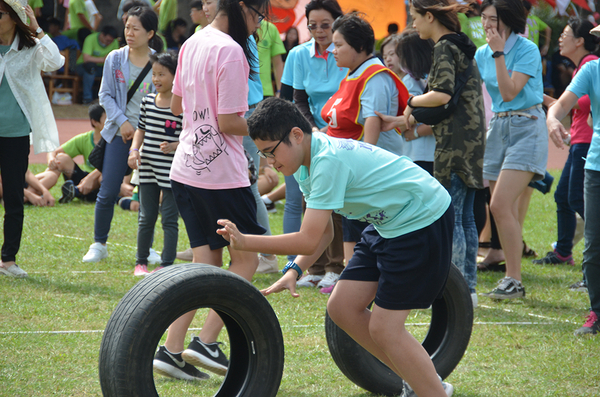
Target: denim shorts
[{"x": 516, "y": 143}]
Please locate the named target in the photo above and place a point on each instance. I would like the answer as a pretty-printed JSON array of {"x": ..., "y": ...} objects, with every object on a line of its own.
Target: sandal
[
  {"x": 491, "y": 266},
  {"x": 528, "y": 252}
]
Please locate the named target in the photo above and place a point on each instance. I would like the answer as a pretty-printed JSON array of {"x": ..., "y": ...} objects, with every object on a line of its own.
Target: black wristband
[{"x": 498, "y": 54}]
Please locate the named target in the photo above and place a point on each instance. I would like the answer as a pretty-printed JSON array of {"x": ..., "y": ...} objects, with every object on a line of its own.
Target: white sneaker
[
  {"x": 267, "y": 264},
  {"x": 310, "y": 280},
  {"x": 13, "y": 271},
  {"x": 96, "y": 253},
  {"x": 329, "y": 280},
  {"x": 407, "y": 391},
  {"x": 474, "y": 299},
  {"x": 154, "y": 258}
]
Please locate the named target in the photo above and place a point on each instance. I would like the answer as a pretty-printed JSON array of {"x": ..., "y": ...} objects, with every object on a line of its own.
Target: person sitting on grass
[
  {"x": 408, "y": 210},
  {"x": 82, "y": 181}
]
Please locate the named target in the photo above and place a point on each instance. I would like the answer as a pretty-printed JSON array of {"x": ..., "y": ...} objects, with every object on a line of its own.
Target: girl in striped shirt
[{"x": 158, "y": 130}]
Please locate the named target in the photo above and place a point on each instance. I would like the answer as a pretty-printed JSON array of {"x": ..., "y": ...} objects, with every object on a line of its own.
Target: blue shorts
[
  {"x": 201, "y": 208},
  {"x": 411, "y": 269},
  {"x": 352, "y": 229},
  {"x": 516, "y": 143}
]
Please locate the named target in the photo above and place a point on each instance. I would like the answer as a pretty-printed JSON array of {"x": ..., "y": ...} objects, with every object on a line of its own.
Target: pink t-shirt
[
  {"x": 581, "y": 132},
  {"x": 212, "y": 79}
]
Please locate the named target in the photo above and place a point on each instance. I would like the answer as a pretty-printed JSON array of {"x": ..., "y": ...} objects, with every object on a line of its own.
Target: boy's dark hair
[
  {"x": 54, "y": 21},
  {"x": 581, "y": 28},
  {"x": 197, "y": 4},
  {"x": 238, "y": 29},
  {"x": 445, "y": 11},
  {"x": 527, "y": 6},
  {"x": 392, "y": 28},
  {"x": 166, "y": 59},
  {"x": 133, "y": 3},
  {"x": 510, "y": 12},
  {"x": 149, "y": 21},
  {"x": 95, "y": 112},
  {"x": 273, "y": 120},
  {"x": 357, "y": 32},
  {"x": 331, "y": 6},
  {"x": 111, "y": 31},
  {"x": 414, "y": 54}
]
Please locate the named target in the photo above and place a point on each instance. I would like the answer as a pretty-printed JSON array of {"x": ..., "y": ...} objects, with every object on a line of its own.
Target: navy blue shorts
[
  {"x": 411, "y": 269},
  {"x": 353, "y": 229},
  {"x": 201, "y": 208}
]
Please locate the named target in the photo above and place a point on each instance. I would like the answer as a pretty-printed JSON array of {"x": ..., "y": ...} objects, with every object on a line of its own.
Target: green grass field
[{"x": 51, "y": 323}]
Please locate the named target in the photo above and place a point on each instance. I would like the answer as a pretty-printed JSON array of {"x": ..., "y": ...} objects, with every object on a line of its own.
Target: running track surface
[{"x": 68, "y": 128}]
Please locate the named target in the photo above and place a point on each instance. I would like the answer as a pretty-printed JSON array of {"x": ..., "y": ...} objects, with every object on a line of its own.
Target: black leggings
[{"x": 14, "y": 160}]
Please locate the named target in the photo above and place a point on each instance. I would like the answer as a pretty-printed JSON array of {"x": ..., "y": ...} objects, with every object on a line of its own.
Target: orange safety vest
[{"x": 342, "y": 110}]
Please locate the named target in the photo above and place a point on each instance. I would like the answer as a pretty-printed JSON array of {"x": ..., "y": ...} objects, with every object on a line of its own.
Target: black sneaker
[
  {"x": 553, "y": 258},
  {"x": 172, "y": 365},
  {"x": 508, "y": 288},
  {"x": 68, "y": 192},
  {"x": 580, "y": 286},
  {"x": 208, "y": 356}
]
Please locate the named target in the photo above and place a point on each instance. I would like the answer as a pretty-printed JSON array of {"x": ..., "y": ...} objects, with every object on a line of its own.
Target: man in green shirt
[
  {"x": 80, "y": 181},
  {"x": 91, "y": 61},
  {"x": 79, "y": 20},
  {"x": 270, "y": 49},
  {"x": 533, "y": 28}
]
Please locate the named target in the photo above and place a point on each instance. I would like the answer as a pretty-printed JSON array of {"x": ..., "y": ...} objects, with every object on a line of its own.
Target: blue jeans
[
  {"x": 292, "y": 213},
  {"x": 569, "y": 197},
  {"x": 262, "y": 216},
  {"x": 148, "y": 215},
  {"x": 465, "y": 242},
  {"x": 88, "y": 75},
  {"x": 591, "y": 253},
  {"x": 113, "y": 171}
]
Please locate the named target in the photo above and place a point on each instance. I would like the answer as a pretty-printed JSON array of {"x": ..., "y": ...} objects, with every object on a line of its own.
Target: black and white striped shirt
[{"x": 159, "y": 125}]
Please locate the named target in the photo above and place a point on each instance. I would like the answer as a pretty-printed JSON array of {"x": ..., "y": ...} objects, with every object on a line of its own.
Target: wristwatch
[
  {"x": 497, "y": 54},
  {"x": 38, "y": 31}
]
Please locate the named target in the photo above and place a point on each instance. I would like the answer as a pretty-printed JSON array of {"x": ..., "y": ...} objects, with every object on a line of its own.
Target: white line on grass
[
  {"x": 529, "y": 314},
  {"x": 96, "y": 331}
]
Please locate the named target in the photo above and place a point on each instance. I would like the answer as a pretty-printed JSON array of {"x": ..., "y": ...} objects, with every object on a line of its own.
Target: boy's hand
[
  {"x": 168, "y": 147},
  {"x": 390, "y": 122},
  {"x": 231, "y": 233},
  {"x": 287, "y": 281},
  {"x": 134, "y": 159}
]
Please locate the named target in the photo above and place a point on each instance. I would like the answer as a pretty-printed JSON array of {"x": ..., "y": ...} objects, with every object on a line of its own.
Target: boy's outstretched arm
[{"x": 309, "y": 243}]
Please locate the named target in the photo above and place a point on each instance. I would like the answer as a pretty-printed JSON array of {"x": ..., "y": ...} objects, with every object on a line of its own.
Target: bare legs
[
  {"x": 382, "y": 333},
  {"x": 243, "y": 264}
]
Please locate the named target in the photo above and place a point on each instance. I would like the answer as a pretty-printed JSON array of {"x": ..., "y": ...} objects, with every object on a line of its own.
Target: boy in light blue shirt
[{"x": 408, "y": 211}]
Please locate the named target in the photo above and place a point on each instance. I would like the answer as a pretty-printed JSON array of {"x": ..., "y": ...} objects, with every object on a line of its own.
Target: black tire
[
  {"x": 142, "y": 316},
  {"x": 446, "y": 341}
]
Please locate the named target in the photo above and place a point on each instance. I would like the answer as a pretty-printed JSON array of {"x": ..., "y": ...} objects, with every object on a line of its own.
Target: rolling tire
[
  {"x": 446, "y": 341},
  {"x": 142, "y": 316}
]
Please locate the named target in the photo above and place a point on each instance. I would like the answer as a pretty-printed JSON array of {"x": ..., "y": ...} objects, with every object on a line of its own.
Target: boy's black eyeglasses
[
  {"x": 271, "y": 154},
  {"x": 260, "y": 16}
]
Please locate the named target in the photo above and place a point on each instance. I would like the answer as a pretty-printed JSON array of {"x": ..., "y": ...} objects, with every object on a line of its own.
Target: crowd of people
[{"x": 384, "y": 146}]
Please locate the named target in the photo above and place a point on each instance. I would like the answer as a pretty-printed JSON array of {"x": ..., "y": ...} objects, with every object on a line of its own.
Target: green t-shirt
[
  {"x": 534, "y": 26},
  {"x": 13, "y": 123},
  {"x": 36, "y": 3},
  {"x": 168, "y": 12},
  {"x": 269, "y": 45},
  {"x": 473, "y": 28},
  {"x": 93, "y": 47},
  {"x": 81, "y": 144},
  {"x": 76, "y": 7}
]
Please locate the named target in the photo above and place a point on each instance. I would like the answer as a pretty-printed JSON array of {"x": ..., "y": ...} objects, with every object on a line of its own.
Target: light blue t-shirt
[
  {"x": 320, "y": 78},
  {"x": 287, "y": 77},
  {"x": 423, "y": 148},
  {"x": 255, "y": 91},
  {"x": 522, "y": 56},
  {"x": 363, "y": 182},
  {"x": 380, "y": 94},
  {"x": 587, "y": 82}
]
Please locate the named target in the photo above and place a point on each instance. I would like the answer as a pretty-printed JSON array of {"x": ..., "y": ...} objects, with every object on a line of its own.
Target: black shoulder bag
[
  {"x": 96, "y": 157},
  {"x": 435, "y": 115}
]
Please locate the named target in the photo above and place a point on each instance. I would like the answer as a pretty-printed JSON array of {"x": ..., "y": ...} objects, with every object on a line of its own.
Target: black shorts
[
  {"x": 77, "y": 176},
  {"x": 353, "y": 229},
  {"x": 411, "y": 269},
  {"x": 201, "y": 208}
]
